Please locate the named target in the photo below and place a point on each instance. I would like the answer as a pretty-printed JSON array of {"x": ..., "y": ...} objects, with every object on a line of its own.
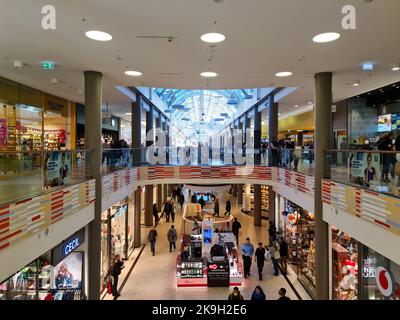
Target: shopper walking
[
  {"x": 216, "y": 207},
  {"x": 202, "y": 202},
  {"x": 155, "y": 213},
  {"x": 275, "y": 257},
  {"x": 167, "y": 210},
  {"x": 397, "y": 165},
  {"x": 228, "y": 207},
  {"x": 172, "y": 237},
  {"x": 258, "y": 294},
  {"x": 259, "y": 258},
  {"x": 152, "y": 239},
  {"x": 235, "y": 229},
  {"x": 181, "y": 200},
  {"x": 385, "y": 143},
  {"x": 282, "y": 295},
  {"x": 115, "y": 271},
  {"x": 247, "y": 254},
  {"x": 283, "y": 251},
  {"x": 235, "y": 295},
  {"x": 272, "y": 232},
  {"x": 172, "y": 212}
]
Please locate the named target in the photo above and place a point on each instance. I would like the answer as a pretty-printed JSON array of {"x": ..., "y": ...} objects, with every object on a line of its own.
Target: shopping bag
[
  {"x": 267, "y": 255},
  {"x": 109, "y": 286},
  {"x": 277, "y": 255},
  {"x": 397, "y": 169}
]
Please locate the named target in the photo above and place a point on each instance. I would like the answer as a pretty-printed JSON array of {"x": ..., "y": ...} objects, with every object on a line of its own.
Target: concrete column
[
  {"x": 257, "y": 205},
  {"x": 148, "y": 214},
  {"x": 272, "y": 124},
  {"x": 234, "y": 190},
  {"x": 165, "y": 192},
  {"x": 323, "y": 141},
  {"x": 271, "y": 205},
  {"x": 159, "y": 197},
  {"x": 137, "y": 220},
  {"x": 136, "y": 124},
  {"x": 247, "y": 198},
  {"x": 149, "y": 124},
  {"x": 93, "y": 122},
  {"x": 240, "y": 194},
  {"x": 257, "y": 136},
  {"x": 300, "y": 136}
]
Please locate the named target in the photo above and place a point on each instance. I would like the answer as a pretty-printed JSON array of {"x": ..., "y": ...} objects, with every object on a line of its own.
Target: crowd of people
[{"x": 114, "y": 153}]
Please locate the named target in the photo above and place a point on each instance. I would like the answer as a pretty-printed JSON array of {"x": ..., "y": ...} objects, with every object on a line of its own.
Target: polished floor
[{"x": 153, "y": 277}]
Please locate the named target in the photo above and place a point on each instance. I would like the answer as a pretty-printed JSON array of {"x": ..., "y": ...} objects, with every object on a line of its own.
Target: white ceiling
[{"x": 262, "y": 38}]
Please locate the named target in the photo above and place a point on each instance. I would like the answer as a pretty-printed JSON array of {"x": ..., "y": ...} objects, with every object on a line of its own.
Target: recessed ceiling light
[
  {"x": 98, "y": 35},
  {"x": 128, "y": 113},
  {"x": 133, "y": 73},
  {"x": 212, "y": 37},
  {"x": 368, "y": 66},
  {"x": 310, "y": 102},
  {"x": 396, "y": 67},
  {"x": 326, "y": 37},
  {"x": 284, "y": 74},
  {"x": 279, "y": 113},
  {"x": 209, "y": 74},
  {"x": 296, "y": 105},
  {"x": 356, "y": 84}
]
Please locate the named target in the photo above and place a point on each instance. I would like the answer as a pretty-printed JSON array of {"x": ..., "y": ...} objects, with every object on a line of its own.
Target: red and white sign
[{"x": 384, "y": 281}]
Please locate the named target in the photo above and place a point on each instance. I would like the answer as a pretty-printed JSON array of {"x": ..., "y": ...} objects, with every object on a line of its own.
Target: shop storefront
[
  {"x": 360, "y": 273},
  {"x": 116, "y": 236},
  {"x": 30, "y": 119},
  {"x": 344, "y": 266},
  {"x": 297, "y": 227},
  {"x": 56, "y": 275},
  {"x": 207, "y": 258}
]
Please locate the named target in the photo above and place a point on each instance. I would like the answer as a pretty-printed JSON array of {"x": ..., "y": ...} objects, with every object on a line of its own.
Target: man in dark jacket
[
  {"x": 167, "y": 210},
  {"x": 172, "y": 237},
  {"x": 155, "y": 213},
  {"x": 115, "y": 271},
  {"x": 228, "y": 208},
  {"x": 235, "y": 229},
  {"x": 283, "y": 250},
  {"x": 259, "y": 258},
  {"x": 152, "y": 239}
]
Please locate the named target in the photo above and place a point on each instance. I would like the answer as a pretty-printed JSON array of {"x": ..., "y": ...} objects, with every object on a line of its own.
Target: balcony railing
[
  {"x": 26, "y": 174},
  {"x": 301, "y": 160},
  {"x": 375, "y": 170}
]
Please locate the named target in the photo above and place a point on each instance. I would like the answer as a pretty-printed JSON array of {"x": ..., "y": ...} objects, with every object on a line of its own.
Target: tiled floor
[{"x": 154, "y": 277}]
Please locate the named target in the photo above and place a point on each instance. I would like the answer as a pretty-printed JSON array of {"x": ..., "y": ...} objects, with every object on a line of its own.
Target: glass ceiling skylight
[{"x": 203, "y": 105}]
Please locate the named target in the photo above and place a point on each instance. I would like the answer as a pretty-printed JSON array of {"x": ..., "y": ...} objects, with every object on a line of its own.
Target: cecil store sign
[{"x": 63, "y": 250}]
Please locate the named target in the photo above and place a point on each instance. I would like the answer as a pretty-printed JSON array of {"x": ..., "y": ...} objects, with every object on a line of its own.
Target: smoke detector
[{"x": 18, "y": 64}]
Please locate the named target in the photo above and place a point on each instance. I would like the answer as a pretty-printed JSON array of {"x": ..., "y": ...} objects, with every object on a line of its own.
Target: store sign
[
  {"x": 121, "y": 210},
  {"x": 60, "y": 252},
  {"x": 385, "y": 281},
  {"x": 218, "y": 274},
  {"x": 48, "y": 65}
]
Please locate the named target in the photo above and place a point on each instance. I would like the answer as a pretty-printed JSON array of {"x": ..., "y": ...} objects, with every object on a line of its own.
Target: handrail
[
  {"x": 44, "y": 150},
  {"x": 364, "y": 151}
]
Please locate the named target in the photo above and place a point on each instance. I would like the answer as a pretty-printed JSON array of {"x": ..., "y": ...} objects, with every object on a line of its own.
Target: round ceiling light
[
  {"x": 396, "y": 67},
  {"x": 212, "y": 37},
  {"x": 133, "y": 73},
  {"x": 326, "y": 37},
  {"x": 98, "y": 35},
  {"x": 209, "y": 74},
  {"x": 296, "y": 105},
  {"x": 284, "y": 74}
]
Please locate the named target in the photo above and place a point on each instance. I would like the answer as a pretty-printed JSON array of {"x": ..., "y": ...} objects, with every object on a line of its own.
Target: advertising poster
[
  {"x": 57, "y": 168},
  {"x": 68, "y": 273},
  {"x": 3, "y": 132},
  {"x": 364, "y": 168},
  {"x": 385, "y": 123}
]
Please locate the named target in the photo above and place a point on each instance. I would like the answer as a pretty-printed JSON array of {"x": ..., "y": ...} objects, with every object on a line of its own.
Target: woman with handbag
[{"x": 275, "y": 257}]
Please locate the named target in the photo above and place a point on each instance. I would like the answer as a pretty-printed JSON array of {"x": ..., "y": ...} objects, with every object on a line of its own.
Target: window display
[
  {"x": 380, "y": 277},
  {"x": 344, "y": 266},
  {"x": 40, "y": 280},
  {"x": 300, "y": 228}
]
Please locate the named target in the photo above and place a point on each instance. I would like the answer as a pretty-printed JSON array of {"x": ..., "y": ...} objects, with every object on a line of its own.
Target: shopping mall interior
[{"x": 195, "y": 150}]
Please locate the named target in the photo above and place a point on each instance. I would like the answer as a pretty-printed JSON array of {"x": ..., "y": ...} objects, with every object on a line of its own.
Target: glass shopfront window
[
  {"x": 380, "y": 277},
  {"x": 344, "y": 266},
  {"x": 56, "y": 275},
  {"x": 299, "y": 235}
]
